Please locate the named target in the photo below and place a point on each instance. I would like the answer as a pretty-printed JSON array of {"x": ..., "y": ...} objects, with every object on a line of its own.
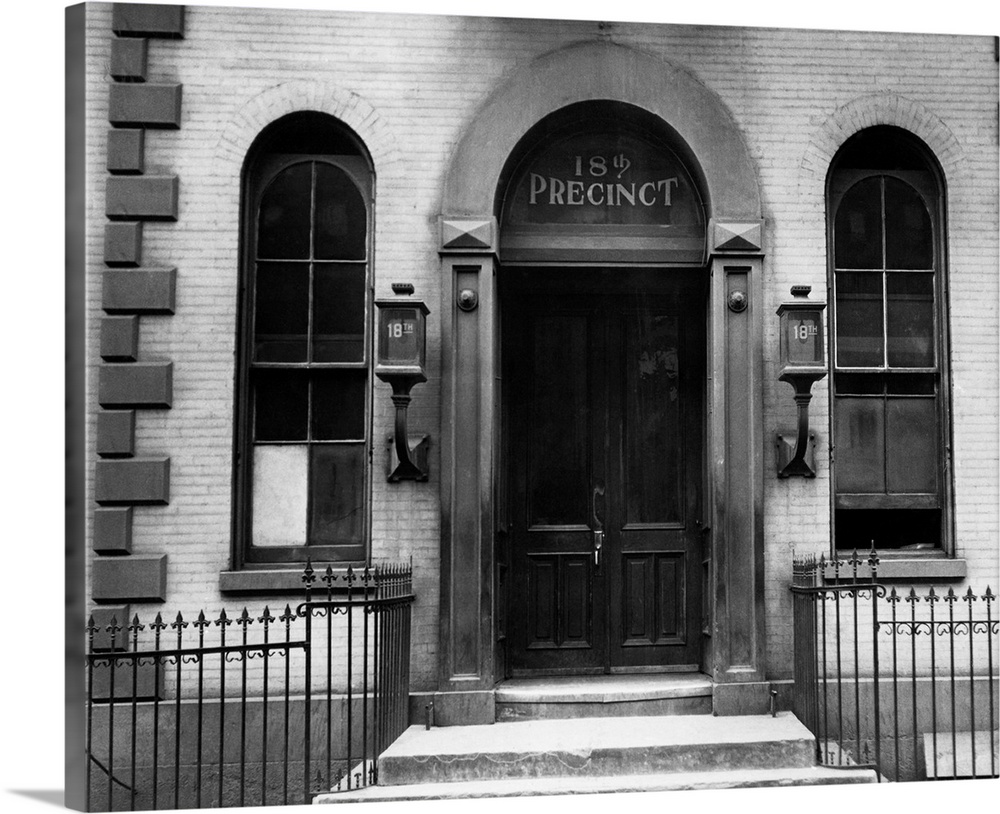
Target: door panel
[
  {"x": 651, "y": 424},
  {"x": 604, "y": 415},
  {"x": 558, "y": 439}
]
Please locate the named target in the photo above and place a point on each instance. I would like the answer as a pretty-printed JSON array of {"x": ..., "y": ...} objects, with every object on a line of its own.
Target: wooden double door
[{"x": 604, "y": 392}]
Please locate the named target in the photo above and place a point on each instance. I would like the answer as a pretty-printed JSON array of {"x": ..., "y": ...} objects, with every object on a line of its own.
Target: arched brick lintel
[
  {"x": 595, "y": 71},
  {"x": 271, "y": 104},
  {"x": 870, "y": 111}
]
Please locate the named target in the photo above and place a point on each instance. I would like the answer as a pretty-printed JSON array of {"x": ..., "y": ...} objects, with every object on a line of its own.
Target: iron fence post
[
  {"x": 873, "y": 564},
  {"x": 308, "y": 577}
]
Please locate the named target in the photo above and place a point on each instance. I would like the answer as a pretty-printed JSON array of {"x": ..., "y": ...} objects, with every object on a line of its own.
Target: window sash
[
  {"x": 907, "y": 373},
  {"x": 338, "y": 539}
]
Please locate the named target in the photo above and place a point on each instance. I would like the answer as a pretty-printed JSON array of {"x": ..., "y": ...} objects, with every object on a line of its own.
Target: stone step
[
  {"x": 596, "y": 747},
  {"x": 604, "y": 696},
  {"x": 671, "y": 781}
]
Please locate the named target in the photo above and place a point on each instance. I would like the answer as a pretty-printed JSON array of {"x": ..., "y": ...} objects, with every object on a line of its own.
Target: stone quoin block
[
  {"x": 119, "y": 339},
  {"x": 128, "y": 59},
  {"x": 103, "y": 618},
  {"x": 147, "y": 197},
  {"x": 141, "y": 20},
  {"x": 130, "y": 579},
  {"x": 145, "y": 104},
  {"x": 123, "y": 244},
  {"x": 113, "y": 530},
  {"x": 116, "y": 433},
  {"x": 126, "y": 151},
  {"x": 139, "y": 384},
  {"x": 139, "y": 291},
  {"x": 139, "y": 481}
]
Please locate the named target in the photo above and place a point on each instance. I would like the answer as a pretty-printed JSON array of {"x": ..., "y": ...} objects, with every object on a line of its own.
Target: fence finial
[
  {"x": 201, "y": 622},
  {"x": 873, "y": 562},
  {"x": 244, "y": 619}
]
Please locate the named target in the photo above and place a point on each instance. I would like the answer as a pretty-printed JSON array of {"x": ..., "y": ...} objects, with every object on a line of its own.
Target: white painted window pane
[{"x": 280, "y": 495}]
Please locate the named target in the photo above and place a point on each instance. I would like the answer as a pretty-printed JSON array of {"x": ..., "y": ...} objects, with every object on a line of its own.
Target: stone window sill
[
  {"x": 905, "y": 569},
  {"x": 281, "y": 580}
]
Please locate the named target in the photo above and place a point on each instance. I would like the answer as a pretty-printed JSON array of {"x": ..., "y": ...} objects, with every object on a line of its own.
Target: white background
[{"x": 32, "y": 404}]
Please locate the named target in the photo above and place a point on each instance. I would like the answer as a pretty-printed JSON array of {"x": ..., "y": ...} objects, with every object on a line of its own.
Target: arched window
[
  {"x": 889, "y": 352},
  {"x": 303, "y": 382}
]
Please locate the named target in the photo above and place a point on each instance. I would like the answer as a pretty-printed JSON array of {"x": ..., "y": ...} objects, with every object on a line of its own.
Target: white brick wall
[{"x": 409, "y": 86}]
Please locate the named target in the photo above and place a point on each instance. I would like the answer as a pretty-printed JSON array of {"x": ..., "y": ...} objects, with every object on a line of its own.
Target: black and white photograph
[{"x": 466, "y": 408}]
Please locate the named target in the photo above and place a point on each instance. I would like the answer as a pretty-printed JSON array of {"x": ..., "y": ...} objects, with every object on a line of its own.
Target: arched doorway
[
  {"x": 475, "y": 573},
  {"x": 602, "y": 288}
]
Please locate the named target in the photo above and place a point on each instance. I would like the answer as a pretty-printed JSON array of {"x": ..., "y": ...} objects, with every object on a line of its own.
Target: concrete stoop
[
  {"x": 595, "y": 755},
  {"x": 521, "y": 699}
]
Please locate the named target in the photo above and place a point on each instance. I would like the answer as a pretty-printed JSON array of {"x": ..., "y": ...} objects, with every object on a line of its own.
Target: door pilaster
[
  {"x": 736, "y": 455},
  {"x": 468, "y": 361}
]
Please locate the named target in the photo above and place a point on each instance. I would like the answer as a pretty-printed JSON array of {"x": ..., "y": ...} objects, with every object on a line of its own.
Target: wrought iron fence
[
  {"x": 901, "y": 682},
  {"x": 250, "y": 710}
]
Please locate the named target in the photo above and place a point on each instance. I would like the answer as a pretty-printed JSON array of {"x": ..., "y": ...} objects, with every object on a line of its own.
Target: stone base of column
[
  {"x": 459, "y": 708},
  {"x": 749, "y": 698}
]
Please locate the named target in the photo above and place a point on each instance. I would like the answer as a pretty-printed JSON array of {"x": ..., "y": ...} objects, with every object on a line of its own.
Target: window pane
[
  {"x": 859, "y": 319},
  {"x": 910, "y": 319},
  {"x": 285, "y": 215},
  {"x": 857, "y": 233},
  {"x": 860, "y": 450},
  {"x": 653, "y": 444},
  {"x": 338, "y": 406},
  {"x": 339, "y": 313},
  {"x": 888, "y": 528},
  {"x": 859, "y": 384},
  {"x": 558, "y": 423},
  {"x": 908, "y": 236},
  {"x": 911, "y": 445},
  {"x": 337, "y": 486},
  {"x": 341, "y": 219},
  {"x": 281, "y": 312},
  {"x": 281, "y": 406},
  {"x": 280, "y": 490},
  {"x": 912, "y": 384}
]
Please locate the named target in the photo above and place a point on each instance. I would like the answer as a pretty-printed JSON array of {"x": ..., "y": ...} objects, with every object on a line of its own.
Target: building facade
[{"x": 602, "y": 220}]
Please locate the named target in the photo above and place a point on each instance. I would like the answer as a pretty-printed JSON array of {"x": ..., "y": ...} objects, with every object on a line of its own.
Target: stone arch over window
[
  {"x": 257, "y": 112},
  {"x": 869, "y": 111}
]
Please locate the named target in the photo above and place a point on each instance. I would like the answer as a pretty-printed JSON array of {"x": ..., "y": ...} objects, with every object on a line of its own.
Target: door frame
[
  {"x": 579, "y": 289},
  {"x": 469, "y": 251}
]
